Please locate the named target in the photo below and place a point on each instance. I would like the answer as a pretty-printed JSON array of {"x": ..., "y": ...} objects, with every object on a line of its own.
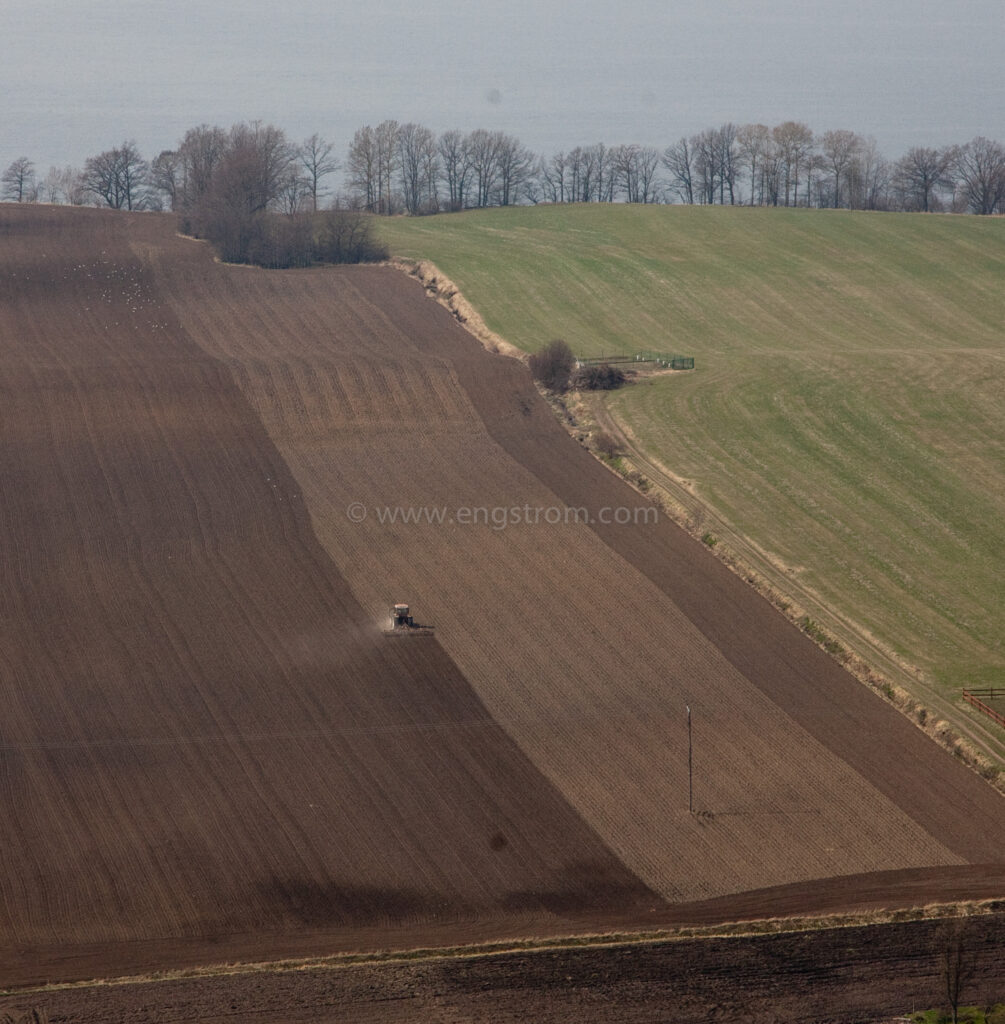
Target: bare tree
[
  {"x": 248, "y": 180},
  {"x": 868, "y": 179},
  {"x": 50, "y": 188},
  {"x": 315, "y": 156},
  {"x": 635, "y": 167},
  {"x": 707, "y": 165},
  {"x": 727, "y": 152},
  {"x": 429, "y": 161},
  {"x": 455, "y": 164},
  {"x": 165, "y": 176},
  {"x": 794, "y": 142},
  {"x": 839, "y": 149},
  {"x": 959, "y": 964},
  {"x": 551, "y": 176},
  {"x": 678, "y": 159},
  {"x": 980, "y": 167},
  {"x": 266, "y": 158},
  {"x": 362, "y": 167},
  {"x": 417, "y": 165},
  {"x": 295, "y": 193},
  {"x": 385, "y": 137},
  {"x": 483, "y": 147},
  {"x": 72, "y": 185},
  {"x": 599, "y": 173},
  {"x": 919, "y": 175},
  {"x": 755, "y": 150},
  {"x": 18, "y": 181},
  {"x": 118, "y": 177},
  {"x": 575, "y": 172},
  {"x": 515, "y": 163},
  {"x": 253, "y": 172},
  {"x": 133, "y": 175},
  {"x": 199, "y": 155}
]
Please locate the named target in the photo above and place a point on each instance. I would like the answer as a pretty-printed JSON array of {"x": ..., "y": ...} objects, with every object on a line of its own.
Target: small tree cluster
[
  {"x": 395, "y": 167},
  {"x": 552, "y": 366},
  {"x": 602, "y": 377},
  {"x": 254, "y": 195},
  {"x": 119, "y": 178}
]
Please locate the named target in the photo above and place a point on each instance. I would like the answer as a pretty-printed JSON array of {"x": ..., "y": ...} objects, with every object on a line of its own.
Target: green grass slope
[{"x": 847, "y": 412}]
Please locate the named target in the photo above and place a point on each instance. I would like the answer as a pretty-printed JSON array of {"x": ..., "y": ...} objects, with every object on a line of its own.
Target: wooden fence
[{"x": 977, "y": 698}]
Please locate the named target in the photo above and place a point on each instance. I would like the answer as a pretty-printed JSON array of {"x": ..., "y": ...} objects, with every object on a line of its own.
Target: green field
[{"x": 847, "y": 410}]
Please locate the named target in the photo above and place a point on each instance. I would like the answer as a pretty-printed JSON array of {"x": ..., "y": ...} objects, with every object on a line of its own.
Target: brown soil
[
  {"x": 836, "y": 975},
  {"x": 212, "y": 752},
  {"x": 203, "y": 732}
]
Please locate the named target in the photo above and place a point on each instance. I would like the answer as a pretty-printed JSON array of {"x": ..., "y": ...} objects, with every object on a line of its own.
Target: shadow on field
[
  {"x": 316, "y": 905},
  {"x": 582, "y": 887}
]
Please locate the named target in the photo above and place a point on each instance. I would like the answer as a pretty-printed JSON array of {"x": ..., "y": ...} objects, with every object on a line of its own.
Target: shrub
[
  {"x": 552, "y": 366},
  {"x": 603, "y": 377},
  {"x": 640, "y": 481},
  {"x": 827, "y": 642},
  {"x": 346, "y": 236},
  {"x": 607, "y": 445}
]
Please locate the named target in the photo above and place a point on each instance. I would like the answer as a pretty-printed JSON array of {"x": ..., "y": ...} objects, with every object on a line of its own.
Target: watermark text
[{"x": 501, "y": 517}]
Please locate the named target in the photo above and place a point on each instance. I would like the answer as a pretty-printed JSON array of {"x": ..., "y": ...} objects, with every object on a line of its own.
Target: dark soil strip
[{"x": 830, "y": 977}]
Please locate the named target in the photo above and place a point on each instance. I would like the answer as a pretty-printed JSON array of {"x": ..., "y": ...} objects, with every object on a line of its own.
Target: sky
[{"x": 80, "y": 76}]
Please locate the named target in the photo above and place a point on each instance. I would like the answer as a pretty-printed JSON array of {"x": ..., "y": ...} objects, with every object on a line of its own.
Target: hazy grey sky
[{"x": 78, "y": 76}]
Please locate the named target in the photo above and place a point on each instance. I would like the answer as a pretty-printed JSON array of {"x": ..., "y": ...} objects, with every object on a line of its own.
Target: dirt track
[{"x": 206, "y": 735}]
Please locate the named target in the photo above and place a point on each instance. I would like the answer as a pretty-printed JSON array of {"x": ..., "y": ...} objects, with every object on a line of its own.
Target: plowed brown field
[
  {"x": 205, "y": 735},
  {"x": 831, "y": 976}
]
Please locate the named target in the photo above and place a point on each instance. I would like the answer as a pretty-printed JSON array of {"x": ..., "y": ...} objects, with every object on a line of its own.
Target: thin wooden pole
[{"x": 690, "y": 776}]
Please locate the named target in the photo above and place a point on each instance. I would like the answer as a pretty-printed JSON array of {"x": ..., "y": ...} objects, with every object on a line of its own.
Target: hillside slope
[
  {"x": 845, "y": 411},
  {"x": 206, "y": 734}
]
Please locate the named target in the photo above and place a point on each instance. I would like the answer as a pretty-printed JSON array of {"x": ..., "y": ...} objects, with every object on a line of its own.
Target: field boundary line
[
  {"x": 736, "y": 930},
  {"x": 440, "y": 288}
]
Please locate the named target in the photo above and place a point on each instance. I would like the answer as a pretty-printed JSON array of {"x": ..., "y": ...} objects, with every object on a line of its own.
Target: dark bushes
[
  {"x": 599, "y": 378},
  {"x": 606, "y": 445},
  {"x": 346, "y": 236},
  {"x": 553, "y": 365},
  {"x": 277, "y": 240}
]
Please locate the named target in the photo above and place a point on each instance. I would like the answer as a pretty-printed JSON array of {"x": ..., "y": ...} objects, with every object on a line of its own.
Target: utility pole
[{"x": 690, "y": 777}]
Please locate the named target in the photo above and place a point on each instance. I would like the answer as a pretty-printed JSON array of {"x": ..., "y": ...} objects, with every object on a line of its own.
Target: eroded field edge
[{"x": 738, "y": 930}]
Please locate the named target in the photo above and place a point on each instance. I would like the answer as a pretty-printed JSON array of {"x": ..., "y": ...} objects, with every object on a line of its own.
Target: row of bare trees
[
  {"x": 394, "y": 167},
  {"x": 789, "y": 166},
  {"x": 287, "y": 176}
]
